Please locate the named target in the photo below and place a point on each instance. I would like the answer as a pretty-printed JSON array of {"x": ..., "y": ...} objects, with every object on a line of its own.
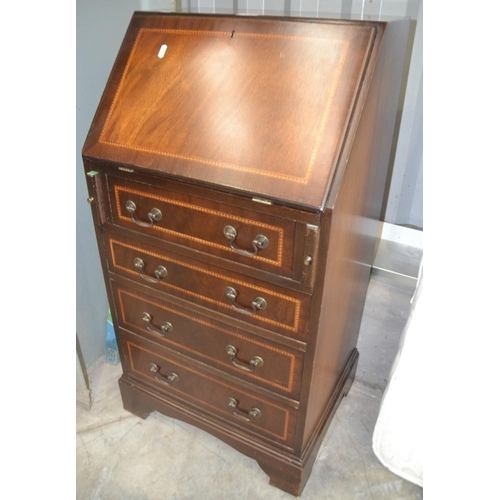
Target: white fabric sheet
[{"x": 398, "y": 435}]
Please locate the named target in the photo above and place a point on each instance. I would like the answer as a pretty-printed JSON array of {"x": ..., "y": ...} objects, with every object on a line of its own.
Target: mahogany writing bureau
[{"x": 236, "y": 168}]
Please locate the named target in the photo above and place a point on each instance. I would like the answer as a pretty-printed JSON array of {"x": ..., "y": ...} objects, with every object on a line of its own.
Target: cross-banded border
[
  {"x": 265, "y": 173},
  {"x": 218, "y": 382},
  {"x": 198, "y": 208},
  {"x": 296, "y": 302}
]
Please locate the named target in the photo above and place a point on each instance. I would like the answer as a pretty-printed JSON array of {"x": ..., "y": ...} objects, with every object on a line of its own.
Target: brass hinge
[{"x": 263, "y": 201}]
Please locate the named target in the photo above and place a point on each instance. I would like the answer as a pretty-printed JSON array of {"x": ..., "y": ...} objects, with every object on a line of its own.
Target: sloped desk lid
[{"x": 247, "y": 104}]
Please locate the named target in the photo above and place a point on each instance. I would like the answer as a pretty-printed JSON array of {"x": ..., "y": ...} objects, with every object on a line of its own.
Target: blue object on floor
[{"x": 111, "y": 353}]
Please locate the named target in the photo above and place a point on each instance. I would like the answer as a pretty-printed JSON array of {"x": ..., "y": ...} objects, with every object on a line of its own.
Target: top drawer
[{"x": 249, "y": 237}]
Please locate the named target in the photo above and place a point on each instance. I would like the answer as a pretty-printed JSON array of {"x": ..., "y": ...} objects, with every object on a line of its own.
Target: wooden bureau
[{"x": 236, "y": 168}]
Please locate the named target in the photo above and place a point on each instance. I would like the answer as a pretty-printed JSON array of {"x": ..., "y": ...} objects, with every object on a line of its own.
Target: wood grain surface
[{"x": 252, "y": 105}]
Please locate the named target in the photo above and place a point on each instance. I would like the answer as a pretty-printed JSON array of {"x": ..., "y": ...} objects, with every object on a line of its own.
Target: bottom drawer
[{"x": 238, "y": 406}]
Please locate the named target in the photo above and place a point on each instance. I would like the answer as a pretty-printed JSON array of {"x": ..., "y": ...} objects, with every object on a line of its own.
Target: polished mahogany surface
[
  {"x": 198, "y": 223},
  {"x": 248, "y": 104}
]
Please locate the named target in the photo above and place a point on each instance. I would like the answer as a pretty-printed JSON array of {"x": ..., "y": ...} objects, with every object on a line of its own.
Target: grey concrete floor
[{"x": 120, "y": 456}]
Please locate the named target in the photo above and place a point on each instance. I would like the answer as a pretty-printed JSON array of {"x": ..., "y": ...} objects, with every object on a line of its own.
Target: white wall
[
  {"x": 99, "y": 31},
  {"x": 405, "y": 199}
]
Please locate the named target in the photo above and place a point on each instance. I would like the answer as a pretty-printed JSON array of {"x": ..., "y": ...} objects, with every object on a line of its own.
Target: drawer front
[
  {"x": 233, "y": 350},
  {"x": 271, "y": 420},
  {"x": 201, "y": 224},
  {"x": 253, "y": 301}
]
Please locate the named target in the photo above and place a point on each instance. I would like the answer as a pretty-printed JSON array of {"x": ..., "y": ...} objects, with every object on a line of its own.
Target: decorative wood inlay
[
  {"x": 265, "y": 173},
  {"x": 296, "y": 302},
  {"x": 156, "y": 227},
  {"x": 288, "y": 387},
  {"x": 198, "y": 374}
]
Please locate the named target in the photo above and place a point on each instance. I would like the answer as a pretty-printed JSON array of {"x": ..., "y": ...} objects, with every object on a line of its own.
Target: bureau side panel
[{"x": 353, "y": 216}]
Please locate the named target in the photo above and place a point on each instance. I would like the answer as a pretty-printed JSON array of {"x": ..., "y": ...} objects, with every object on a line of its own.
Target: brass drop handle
[
  {"x": 258, "y": 303},
  {"x": 247, "y": 417},
  {"x": 162, "y": 331},
  {"x": 169, "y": 380},
  {"x": 160, "y": 271},
  {"x": 154, "y": 216},
  {"x": 254, "y": 362},
  {"x": 259, "y": 242}
]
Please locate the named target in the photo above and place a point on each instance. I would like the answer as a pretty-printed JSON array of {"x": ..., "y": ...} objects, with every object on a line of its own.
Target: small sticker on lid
[{"x": 162, "y": 51}]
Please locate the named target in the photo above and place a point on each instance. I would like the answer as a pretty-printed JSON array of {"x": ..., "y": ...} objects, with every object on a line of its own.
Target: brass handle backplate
[
  {"x": 247, "y": 417},
  {"x": 169, "y": 379},
  {"x": 162, "y": 331},
  {"x": 154, "y": 216},
  {"x": 256, "y": 361},
  {"x": 260, "y": 242},
  {"x": 160, "y": 271},
  {"x": 258, "y": 303}
]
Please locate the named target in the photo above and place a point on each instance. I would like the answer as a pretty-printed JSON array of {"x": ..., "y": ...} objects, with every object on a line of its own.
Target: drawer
[
  {"x": 238, "y": 406},
  {"x": 248, "y": 237},
  {"x": 253, "y": 301},
  {"x": 268, "y": 364}
]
